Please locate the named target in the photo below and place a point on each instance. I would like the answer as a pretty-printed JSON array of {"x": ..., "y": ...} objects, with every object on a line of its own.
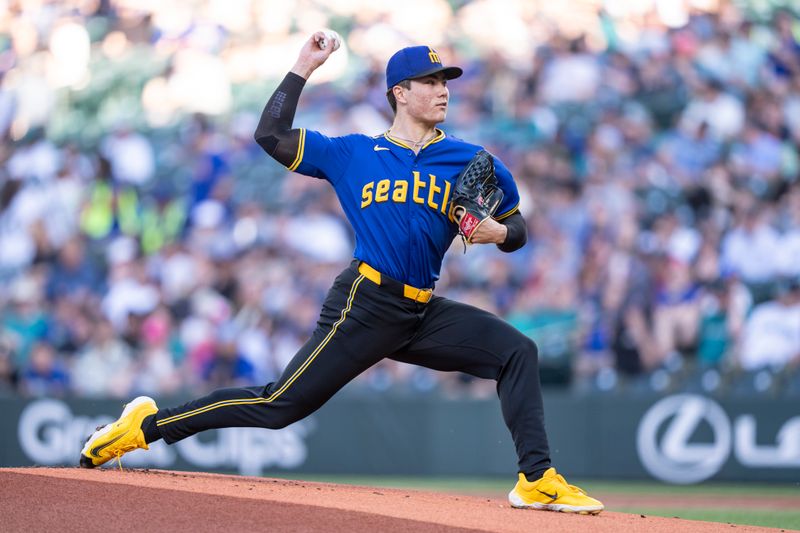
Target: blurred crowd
[{"x": 659, "y": 175}]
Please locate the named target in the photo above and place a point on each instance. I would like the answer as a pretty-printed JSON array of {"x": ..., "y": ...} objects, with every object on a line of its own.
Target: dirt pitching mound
[{"x": 73, "y": 499}]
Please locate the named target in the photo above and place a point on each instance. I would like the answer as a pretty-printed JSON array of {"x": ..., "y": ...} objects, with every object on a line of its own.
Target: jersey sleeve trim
[
  {"x": 301, "y": 145},
  {"x": 508, "y": 213}
]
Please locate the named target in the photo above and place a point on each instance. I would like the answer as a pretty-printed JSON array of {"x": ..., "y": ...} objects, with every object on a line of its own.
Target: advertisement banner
[{"x": 681, "y": 438}]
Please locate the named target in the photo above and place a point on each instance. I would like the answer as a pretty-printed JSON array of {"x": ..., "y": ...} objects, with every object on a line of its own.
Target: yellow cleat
[
  {"x": 114, "y": 440},
  {"x": 552, "y": 493}
]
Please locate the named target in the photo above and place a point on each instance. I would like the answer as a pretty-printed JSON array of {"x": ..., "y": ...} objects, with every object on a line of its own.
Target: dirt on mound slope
[{"x": 72, "y": 499}]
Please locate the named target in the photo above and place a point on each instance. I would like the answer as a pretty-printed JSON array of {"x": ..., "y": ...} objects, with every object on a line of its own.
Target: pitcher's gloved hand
[{"x": 476, "y": 195}]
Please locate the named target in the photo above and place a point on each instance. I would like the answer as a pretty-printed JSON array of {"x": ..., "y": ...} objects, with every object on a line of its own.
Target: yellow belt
[{"x": 412, "y": 293}]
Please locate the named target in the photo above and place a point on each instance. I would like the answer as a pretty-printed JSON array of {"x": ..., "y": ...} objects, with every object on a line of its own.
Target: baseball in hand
[{"x": 329, "y": 37}]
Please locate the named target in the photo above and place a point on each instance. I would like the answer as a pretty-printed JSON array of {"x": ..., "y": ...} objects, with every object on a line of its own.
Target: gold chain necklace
[{"x": 413, "y": 143}]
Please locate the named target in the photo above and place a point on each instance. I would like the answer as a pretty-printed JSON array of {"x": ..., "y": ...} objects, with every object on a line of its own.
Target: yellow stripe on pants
[{"x": 275, "y": 395}]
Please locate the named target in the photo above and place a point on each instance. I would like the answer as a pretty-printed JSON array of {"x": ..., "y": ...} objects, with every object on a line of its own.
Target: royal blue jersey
[{"x": 396, "y": 200}]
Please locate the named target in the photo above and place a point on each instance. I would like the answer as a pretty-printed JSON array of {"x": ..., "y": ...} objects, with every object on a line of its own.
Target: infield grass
[{"x": 787, "y": 519}]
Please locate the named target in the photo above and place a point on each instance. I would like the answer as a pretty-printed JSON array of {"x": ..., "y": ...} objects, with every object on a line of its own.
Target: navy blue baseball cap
[{"x": 416, "y": 62}]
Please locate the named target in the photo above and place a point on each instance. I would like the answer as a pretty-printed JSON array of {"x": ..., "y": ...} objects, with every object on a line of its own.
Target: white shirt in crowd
[
  {"x": 771, "y": 336},
  {"x": 789, "y": 254},
  {"x": 752, "y": 254},
  {"x": 131, "y": 157}
]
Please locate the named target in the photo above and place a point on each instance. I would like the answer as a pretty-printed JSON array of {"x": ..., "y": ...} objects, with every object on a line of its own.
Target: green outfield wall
[{"x": 680, "y": 438}]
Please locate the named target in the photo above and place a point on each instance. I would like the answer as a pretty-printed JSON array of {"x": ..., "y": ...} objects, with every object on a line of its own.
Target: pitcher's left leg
[{"x": 459, "y": 337}]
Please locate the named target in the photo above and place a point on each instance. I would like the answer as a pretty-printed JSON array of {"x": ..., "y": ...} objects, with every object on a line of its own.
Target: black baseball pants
[{"x": 362, "y": 323}]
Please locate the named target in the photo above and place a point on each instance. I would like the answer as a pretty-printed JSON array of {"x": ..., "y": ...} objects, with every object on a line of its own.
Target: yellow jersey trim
[
  {"x": 436, "y": 138},
  {"x": 393, "y": 141},
  {"x": 275, "y": 395},
  {"x": 301, "y": 146},
  {"x": 508, "y": 213}
]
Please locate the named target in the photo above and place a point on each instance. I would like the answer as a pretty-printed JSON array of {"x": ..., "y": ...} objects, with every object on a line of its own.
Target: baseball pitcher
[{"x": 407, "y": 192}]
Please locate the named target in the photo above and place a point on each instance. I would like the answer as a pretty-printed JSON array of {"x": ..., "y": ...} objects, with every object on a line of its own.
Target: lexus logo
[{"x": 664, "y": 435}]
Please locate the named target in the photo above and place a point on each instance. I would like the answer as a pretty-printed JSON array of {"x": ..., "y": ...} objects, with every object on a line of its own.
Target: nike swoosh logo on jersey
[
  {"x": 551, "y": 496},
  {"x": 379, "y": 148}
]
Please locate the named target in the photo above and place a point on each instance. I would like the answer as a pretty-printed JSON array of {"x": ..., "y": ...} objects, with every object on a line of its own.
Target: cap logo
[{"x": 415, "y": 62}]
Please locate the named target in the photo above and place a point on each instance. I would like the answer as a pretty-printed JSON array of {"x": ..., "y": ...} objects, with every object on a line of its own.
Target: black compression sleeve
[
  {"x": 274, "y": 132},
  {"x": 517, "y": 233}
]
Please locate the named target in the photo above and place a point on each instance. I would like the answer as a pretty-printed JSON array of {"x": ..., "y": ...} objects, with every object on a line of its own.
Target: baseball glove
[{"x": 475, "y": 195}]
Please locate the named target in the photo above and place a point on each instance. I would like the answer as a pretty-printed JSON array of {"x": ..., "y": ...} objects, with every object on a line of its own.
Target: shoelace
[
  {"x": 572, "y": 487},
  {"x": 122, "y": 451}
]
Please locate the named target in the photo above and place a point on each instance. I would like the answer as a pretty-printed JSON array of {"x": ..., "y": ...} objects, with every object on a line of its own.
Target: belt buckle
[{"x": 426, "y": 293}]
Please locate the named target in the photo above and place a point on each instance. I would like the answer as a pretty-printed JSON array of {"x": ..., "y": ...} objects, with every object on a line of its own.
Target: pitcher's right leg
[{"x": 327, "y": 362}]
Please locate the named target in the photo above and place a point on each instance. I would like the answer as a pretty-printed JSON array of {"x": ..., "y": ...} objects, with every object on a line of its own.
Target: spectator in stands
[
  {"x": 45, "y": 374},
  {"x": 228, "y": 368},
  {"x": 154, "y": 369},
  {"x": 676, "y": 314},
  {"x": 750, "y": 249},
  {"x": 24, "y": 320},
  {"x": 785, "y": 54},
  {"x": 661, "y": 174},
  {"x": 70, "y": 327},
  {"x": 692, "y": 152},
  {"x": 628, "y": 298},
  {"x": 772, "y": 332},
  {"x": 595, "y": 353},
  {"x": 789, "y": 246},
  {"x": 104, "y": 368},
  {"x": 758, "y": 155},
  {"x": 723, "y": 311},
  {"x": 723, "y": 112},
  {"x": 73, "y": 272},
  {"x": 8, "y": 371},
  {"x": 131, "y": 156}
]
